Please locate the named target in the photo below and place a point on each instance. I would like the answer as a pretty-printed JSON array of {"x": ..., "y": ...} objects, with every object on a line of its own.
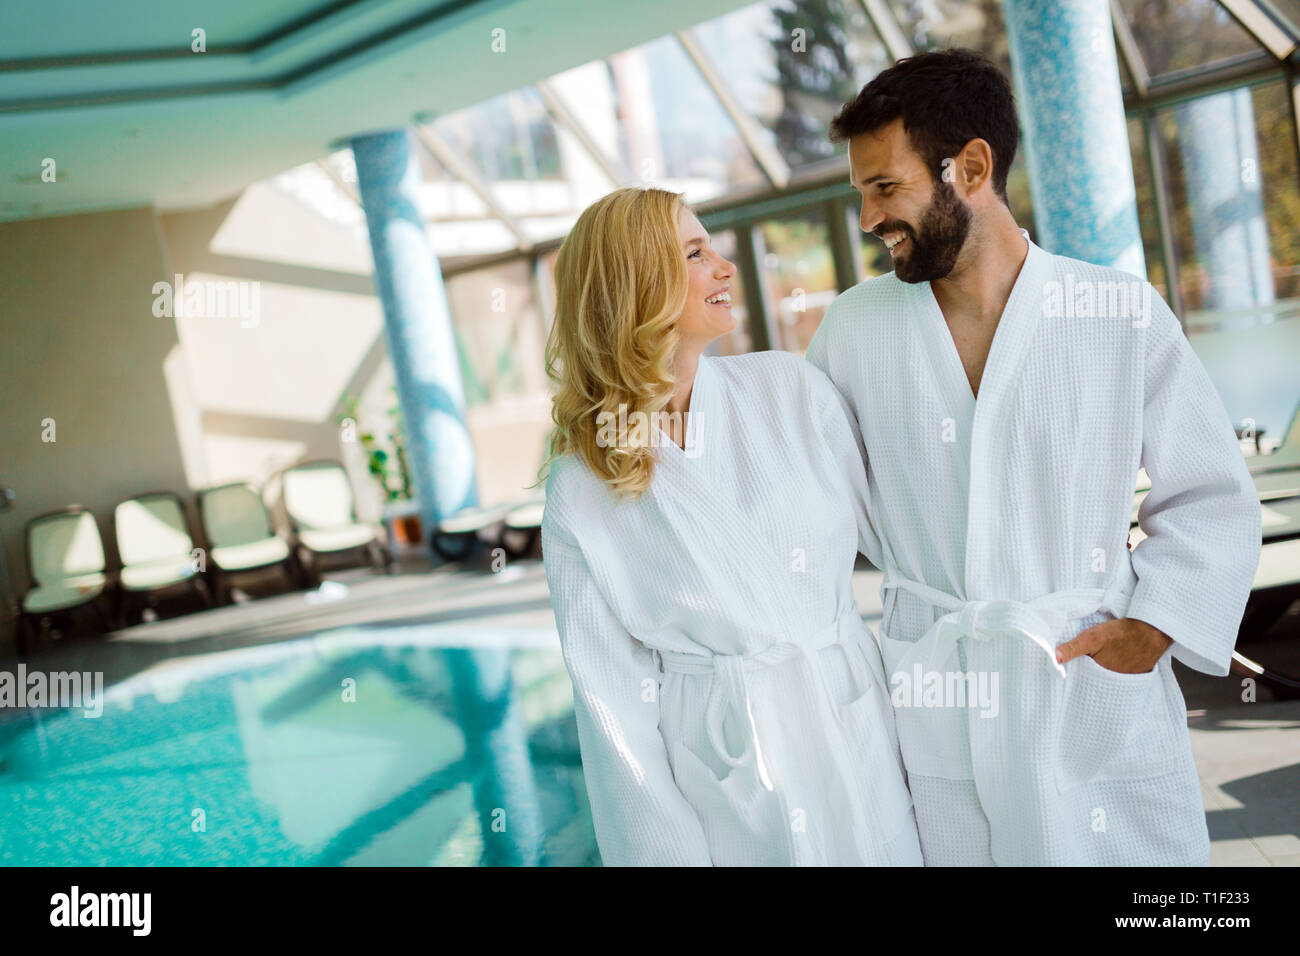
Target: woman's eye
[{"x": 694, "y": 254}]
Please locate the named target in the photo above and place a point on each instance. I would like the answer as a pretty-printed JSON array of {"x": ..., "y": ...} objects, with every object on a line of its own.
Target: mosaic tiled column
[
  {"x": 1075, "y": 134},
  {"x": 1216, "y": 136},
  {"x": 417, "y": 328}
]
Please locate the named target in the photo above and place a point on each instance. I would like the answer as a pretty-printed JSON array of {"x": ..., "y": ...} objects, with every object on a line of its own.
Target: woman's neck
[{"x": 684, "y": 369}]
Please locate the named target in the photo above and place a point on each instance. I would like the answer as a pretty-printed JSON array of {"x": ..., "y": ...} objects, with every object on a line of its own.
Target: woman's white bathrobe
[
  {"x": 1005, "y": 520},
  {"x": 768, "y": 737}
]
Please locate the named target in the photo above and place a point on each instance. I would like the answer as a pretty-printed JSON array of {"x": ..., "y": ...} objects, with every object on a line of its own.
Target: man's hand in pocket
[{"x": 1125, "y": 645}]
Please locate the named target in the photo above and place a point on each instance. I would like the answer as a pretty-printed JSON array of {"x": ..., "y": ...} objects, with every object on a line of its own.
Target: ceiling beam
[
  {"x": 1245, "y": 69},
  {"x": 343, "y": 185},
  {"x": 466, "y": 172},
  {"x": 1262, "y": 26},
  {"x": 886, "y": 24},
  {"x": 1128, "y": 50},
  {"x": 562, "y": 116},
  {"x": 771, "y": 162}
]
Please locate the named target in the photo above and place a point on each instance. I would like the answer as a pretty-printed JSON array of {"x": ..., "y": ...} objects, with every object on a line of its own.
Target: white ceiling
[{"x": 131, "y": 116}]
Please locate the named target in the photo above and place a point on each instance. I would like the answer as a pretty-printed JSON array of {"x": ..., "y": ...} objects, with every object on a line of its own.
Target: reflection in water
[{"x": 353, "y": 748}]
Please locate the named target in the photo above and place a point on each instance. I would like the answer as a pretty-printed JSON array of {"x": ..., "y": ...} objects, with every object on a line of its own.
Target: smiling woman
[
  {"x": 730, "y": 702},
  {"x": 618, "y": 325}
]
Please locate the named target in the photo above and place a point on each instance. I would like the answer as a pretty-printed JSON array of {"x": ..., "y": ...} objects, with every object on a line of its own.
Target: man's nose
[{"x": 871, "y": 217}]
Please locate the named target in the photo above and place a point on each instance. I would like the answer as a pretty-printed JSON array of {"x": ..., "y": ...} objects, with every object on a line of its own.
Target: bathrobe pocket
[
  {"x": 867, "y": 723},
  {"x": 1113, "y": 725},
  {"x": 743, "y": 821},
  {"x": 931, "y": 734}
]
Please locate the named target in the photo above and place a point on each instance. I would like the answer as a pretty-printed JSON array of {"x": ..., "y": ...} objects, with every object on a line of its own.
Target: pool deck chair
[
  {"x": 522, "y": 526},
  {"x": 456, "y": 536},
  {"x": 65, "y": 561},
  {"x": 318, "y": 499},
  {"x": 240, "y": 536},
  {"x": 157, "y": 552},
  {"x": 518, "y": 525},
  {"x": 1286, "y": 457},
  {"x": 1275, "y": 589}
]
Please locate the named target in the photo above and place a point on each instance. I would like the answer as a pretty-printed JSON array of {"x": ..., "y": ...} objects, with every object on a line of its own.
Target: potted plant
[{"x": 392, "y": 471}]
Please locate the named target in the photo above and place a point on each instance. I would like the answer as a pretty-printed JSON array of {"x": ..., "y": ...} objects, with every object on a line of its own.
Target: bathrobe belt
[
  {"x": 729, "y": 694},
  {"x": 1038, "y": 621}
]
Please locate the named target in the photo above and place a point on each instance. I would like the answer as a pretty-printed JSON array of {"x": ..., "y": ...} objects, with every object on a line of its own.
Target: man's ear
[{"x": 973, "y": 168}]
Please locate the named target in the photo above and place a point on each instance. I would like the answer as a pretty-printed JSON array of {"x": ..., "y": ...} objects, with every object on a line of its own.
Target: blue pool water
[{"x": 342, "y": 749}]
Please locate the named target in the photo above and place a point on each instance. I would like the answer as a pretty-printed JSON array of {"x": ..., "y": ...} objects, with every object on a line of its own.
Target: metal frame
[
  {"x": 469, "y": 174},
  {"x": 1126, "y": 46},
  {"x": 886, "y": 26},
  {"x": 824, "y": 185},
  {"x": 1263, "y": 25},
  {"x": 344, "y": 186},
  {"x": 773, "y": 165},
  {"x": 562, "y": 117},
  {"x": 1164, "y": 216}
]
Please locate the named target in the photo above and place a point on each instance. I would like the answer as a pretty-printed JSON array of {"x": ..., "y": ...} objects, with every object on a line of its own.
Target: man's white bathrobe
[
  {"x": 1004, "y": 524},
  {"x": 767, "y": 737}
]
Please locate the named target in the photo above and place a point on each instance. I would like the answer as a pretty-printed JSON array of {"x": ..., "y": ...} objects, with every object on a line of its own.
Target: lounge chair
[
  {"x": 240, "y": 537},
  {"x": 157, "y": 552},
  {"x": 1286, "y": 457},
  {"x": 319, "y": 502},
  {"x": 65, "y": 561},
  {"x": 522, "y": 526},
  {"x": 456, "y": 536},
  {"x": 518, "y": 524},
  {"x": 1275, "y": 589}
]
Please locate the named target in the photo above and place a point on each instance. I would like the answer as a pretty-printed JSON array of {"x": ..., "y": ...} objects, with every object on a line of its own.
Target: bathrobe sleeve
[
  {"x": 839, "y": 428},
  {"x": 640, "y": 817},
  {"x": 1202, "y": 516}
]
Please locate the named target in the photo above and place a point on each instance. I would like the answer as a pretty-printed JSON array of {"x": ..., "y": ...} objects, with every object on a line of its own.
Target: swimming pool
[{"x": 389, "y": 746}]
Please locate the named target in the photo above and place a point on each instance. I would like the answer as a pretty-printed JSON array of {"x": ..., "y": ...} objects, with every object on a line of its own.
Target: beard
[{"x": 936, "y": 245}]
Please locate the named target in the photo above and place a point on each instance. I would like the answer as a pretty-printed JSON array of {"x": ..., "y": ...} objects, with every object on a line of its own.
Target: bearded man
[{"x": 1003, "y": 430}]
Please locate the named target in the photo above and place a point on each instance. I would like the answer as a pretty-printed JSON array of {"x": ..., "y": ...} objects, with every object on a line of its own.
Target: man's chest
[{"x": 972, "y": 337}]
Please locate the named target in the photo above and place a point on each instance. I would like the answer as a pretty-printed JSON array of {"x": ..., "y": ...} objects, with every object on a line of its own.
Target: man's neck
[{"x": 986, "y": 272}]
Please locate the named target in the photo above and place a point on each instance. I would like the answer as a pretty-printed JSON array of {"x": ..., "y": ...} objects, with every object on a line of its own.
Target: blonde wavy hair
[{"x": 620, "y": 287}]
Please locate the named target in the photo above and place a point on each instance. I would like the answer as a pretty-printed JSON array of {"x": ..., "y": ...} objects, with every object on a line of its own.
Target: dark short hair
[{"x": 946, "y": 98}]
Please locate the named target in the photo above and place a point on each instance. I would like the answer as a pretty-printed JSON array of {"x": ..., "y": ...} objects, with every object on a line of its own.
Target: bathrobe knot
[
  {"x": 1042, "y": 621},
  {"x": 729, "y": 695}
]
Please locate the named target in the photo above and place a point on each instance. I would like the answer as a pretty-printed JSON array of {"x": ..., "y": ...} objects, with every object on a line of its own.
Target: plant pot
[{"x": 405, "y": 529}]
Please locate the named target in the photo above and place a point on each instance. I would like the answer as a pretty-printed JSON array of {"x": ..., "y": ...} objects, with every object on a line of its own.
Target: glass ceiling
[{"x": 736, "y": 105}]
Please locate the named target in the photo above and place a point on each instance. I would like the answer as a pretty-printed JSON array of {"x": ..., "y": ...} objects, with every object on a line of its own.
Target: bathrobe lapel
[
  {"x": 990, "y": 418},
  {"x": 704, "y": 519}
]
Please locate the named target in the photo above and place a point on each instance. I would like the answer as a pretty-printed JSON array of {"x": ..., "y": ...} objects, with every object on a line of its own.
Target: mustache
[{"x": 885, "y": 228}]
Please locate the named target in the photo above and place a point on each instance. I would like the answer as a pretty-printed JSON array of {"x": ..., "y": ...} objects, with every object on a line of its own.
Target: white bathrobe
[
  {"x": 767, "y": 737},
  {"x": 1004, "y": 524}
]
